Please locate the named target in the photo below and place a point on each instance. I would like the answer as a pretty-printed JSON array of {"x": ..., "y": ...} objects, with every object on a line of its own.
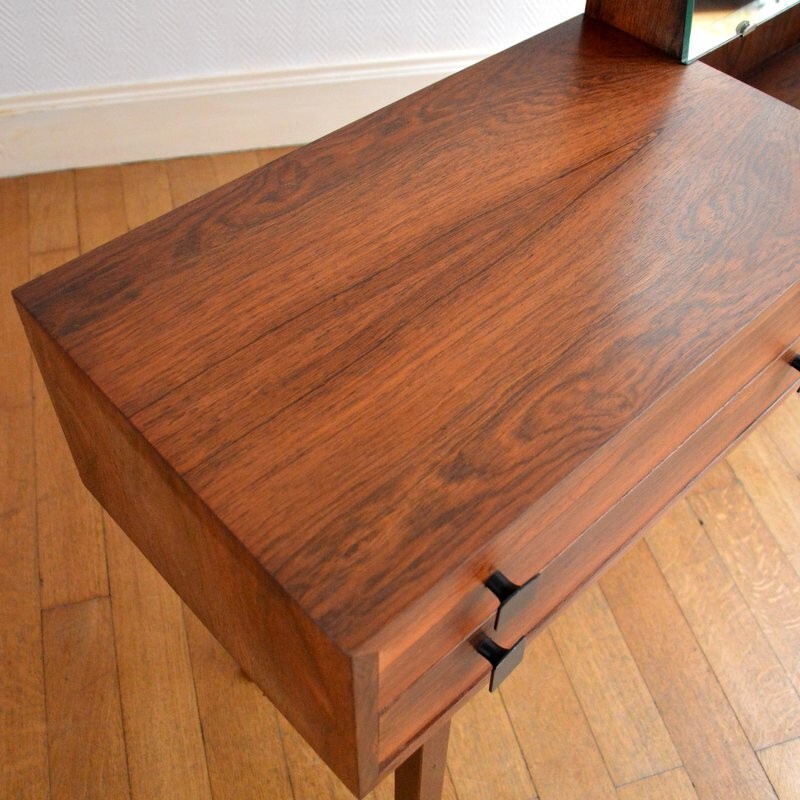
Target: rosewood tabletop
[{"x": 495, "y": 327}]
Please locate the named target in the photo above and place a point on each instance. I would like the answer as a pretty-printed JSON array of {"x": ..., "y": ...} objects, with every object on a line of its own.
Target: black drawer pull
[
  {"x": 795, "y": 362},
  {"x": 503, "y": 660},
  {"x": 509, "y": 594}
]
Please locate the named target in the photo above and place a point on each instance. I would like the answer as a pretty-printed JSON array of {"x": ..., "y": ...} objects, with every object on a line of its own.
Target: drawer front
[
  {"x": 417, "y": 638},
  {"x": 450, "y": 681}
]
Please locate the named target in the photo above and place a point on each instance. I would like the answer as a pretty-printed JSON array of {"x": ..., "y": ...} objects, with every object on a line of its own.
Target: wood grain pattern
[
  {"x": 52, "y": 205},
  {"x": 241, "y": 734},
  {"x": 245, "y": 751},
  {"x": 146, "y": 192},
  {"x": 314, "y": 558},
  {"x": 783, "y": 429},
  {"x": 771, "y": 485},
  {"x": 309, "y": 776},
  {"x": 190, "y": 177},
  {"x": 484, "y": 752},
  {"x": 761, "y": 571},
  {"x": 281, "y": 672},
  {"x": 328, "y": 399},
  {"x": 230, "y": 166},
  {"x": 701, "y": 723},
  {"x": 755, "y": 683},
  {"x": 307, "y": 678},
  {"x": 551, "y": 720},
  {"x": 266, "y": 156},
  {"x": 162, "y": 726},
  {"x": 72, "y": 553},
  {"x": 84, "y": 715},
  {"x": 782, "y": 765},
  {"x": 672, "y": 785},
  {"x": 283, "y": 496},
  {"x": 448, "y": 681},
  {"x": 161, "y": 715},
  {"x": 23, "y": 743},
  {"x": 100, "y": 202},
  {"x": 627, "y": 726}
]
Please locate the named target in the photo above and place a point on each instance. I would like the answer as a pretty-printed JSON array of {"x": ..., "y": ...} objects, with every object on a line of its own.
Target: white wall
[
  {"x": 71, "y": 57},
  {"x": 47, "y": 45}
]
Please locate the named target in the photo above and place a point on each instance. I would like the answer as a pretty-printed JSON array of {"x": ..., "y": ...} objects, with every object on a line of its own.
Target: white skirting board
[{"x": 81, "y": 128}]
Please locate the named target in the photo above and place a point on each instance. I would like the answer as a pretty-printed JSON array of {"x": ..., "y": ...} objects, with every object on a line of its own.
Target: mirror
[{"x": 712, "y": 23}]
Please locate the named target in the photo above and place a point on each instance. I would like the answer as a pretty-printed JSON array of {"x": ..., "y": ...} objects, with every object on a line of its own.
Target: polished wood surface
[
  {"x": 329, "y": 399},
  {"x": 588, "y": 717}
]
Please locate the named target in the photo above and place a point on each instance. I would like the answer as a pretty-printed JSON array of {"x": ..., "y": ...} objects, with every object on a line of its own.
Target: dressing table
[{"x": 379, "y": 409}]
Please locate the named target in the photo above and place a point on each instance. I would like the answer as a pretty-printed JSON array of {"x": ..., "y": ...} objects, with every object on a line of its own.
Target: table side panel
[{"x": 328, "y": 696}]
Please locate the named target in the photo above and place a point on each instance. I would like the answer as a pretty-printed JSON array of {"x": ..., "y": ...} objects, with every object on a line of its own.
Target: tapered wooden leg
[{"x": 421, "y": 776}]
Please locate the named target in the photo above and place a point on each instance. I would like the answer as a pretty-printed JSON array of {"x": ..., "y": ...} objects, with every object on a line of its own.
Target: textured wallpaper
[{"x": 52, "y": 45}]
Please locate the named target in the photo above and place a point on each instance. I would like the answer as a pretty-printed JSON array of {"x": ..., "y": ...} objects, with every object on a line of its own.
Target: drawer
[
  {"x": 492, "y": 327},
  {"x": 419, "y": 637},
  {"x": 462, "y": 670}
]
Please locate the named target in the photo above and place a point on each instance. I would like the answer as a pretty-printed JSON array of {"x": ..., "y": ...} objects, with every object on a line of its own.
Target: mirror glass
[{"x": 712, "y": 23}]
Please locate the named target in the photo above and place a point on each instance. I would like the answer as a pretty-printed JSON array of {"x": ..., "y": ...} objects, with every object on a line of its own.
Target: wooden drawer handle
[
  {"x": 510, "y": 594},
  {"x": 503, "y": 660}
]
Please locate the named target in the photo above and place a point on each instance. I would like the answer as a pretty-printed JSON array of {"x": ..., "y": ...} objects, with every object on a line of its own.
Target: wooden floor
[{"x": 677, "y": 677}]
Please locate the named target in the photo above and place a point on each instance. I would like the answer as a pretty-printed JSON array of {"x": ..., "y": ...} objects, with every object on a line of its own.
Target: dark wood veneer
[
  {"x": 452, "y": 679},
  {"x": 496, "y": 325}
]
